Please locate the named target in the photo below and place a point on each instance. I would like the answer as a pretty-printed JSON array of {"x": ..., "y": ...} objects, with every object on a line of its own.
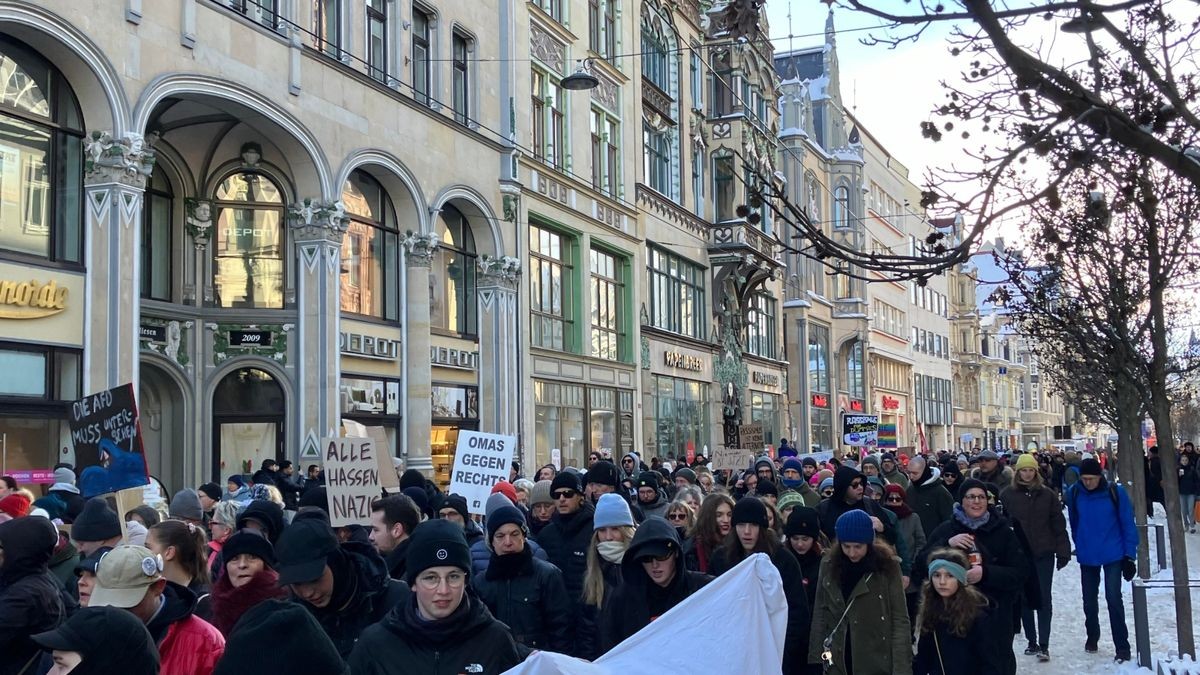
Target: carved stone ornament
[
  {"x": 420, "y": 247},
  {"x": 127, "y": 160},
  {"x": 251, "y": 154},
  {"x": 199, "y": 220},
  {"x": 547, "y": 49},
  {"x": 313, "y": 219},
  {"x": 606, "y": 92},
  {"x": 505, "y": 269}
]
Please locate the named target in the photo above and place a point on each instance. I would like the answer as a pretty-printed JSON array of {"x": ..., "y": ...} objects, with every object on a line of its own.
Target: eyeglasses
[
  {"x": 677, "y": 516},
  {"x": 564, "y": 494},
  {"x": 431, "y": 582},
  {"x": 656, "y": 558},
  {"x": 975, "y": 498},
  {"x": 894, "y": 500}
]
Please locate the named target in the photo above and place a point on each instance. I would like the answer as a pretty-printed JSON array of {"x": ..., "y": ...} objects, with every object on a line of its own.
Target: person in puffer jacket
[
  {"x": 442, "y": 627},
  {"x": 481, "y": 551},
  {"x": 566, "y": 540},
  {"x": 32, "y": 600},
  {"x": 525, "y": 593}
]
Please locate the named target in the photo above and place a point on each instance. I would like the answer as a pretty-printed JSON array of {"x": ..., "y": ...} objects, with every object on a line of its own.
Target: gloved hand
[
  {"x": 1128, "y": 569},
  {"x": 1063, "y": 561}
]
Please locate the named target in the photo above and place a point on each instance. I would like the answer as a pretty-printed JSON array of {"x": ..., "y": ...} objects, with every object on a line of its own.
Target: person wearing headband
[{"x": 955, "y": 631}]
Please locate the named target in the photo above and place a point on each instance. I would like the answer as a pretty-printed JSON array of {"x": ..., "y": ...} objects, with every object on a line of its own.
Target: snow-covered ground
[{"x": 1067, "y": 634}]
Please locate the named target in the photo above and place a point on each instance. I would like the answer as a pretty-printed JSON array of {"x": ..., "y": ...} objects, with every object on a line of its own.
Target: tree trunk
[
  {"x": 1160, "y": 409},
  {"x": 1131, "y": 466}
]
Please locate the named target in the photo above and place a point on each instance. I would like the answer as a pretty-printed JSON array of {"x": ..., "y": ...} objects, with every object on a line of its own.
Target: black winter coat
[
  {"x": 588, "y": 629},
  {"x": 74, "y": 501},
  {"x": 810, "y": 568},
  {"x": 32, "y": 600},
  {"x": 363, "y": 593},
  {"x": 529, "y": 597},
  {"x": 566, "y": 541},
  {"x": 795, "y": 651},
  {"x": 638, "y": 600},
  {"x": 468, "y": 641},
  {"x": 974, "y": 654},
  {"x": 1189, "y": 477},
  {"x": 831, "y": 509},
  {"x": 930, "y": 500}
]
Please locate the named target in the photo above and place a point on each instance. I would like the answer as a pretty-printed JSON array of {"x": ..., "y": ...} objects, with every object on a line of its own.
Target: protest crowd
[{"x": 889, "y": 565}]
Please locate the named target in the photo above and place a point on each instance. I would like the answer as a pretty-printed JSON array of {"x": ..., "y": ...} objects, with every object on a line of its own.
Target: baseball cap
[
  {"x": 123, "y": 575},
  {"x": 303, "y": 550}
]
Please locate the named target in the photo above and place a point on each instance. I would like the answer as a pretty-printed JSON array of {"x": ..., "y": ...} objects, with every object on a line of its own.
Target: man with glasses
[
  {"x": 567, "y": 538},
  {"x": 654, "y": 581},
  {"x": 443, "y": 629},
  {"x": 345, "y": 586}
]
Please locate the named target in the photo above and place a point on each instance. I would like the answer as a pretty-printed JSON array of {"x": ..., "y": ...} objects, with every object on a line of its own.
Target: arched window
[
  {"x": 370, "y": 250},
  {"x": 156, "y": 237},
  {"x": 452, "y": 306},
  {"x": 248, "y": 244},
  {"x": 841, "y": 207},
  {"x": 41, "y": 158}
]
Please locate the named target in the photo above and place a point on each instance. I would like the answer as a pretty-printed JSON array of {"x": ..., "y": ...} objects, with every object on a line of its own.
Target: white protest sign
[
  {"x": 480, "y": 461},
  {"x": 351, "y": 479},
  {"x": 733, "y": 459}
]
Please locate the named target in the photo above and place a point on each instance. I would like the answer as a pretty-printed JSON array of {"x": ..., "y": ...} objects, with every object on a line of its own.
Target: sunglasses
[
  {"x": 656, "y": 558},
  {"x": 677, "y": 516},
  {"x": 564, "y": 494},
  {"x": 856, "y": 484},
  {"x": 894, "y": 500}
]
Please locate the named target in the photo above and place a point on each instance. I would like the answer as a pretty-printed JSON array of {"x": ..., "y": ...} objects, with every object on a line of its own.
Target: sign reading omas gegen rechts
[{"x": 480, "y": 461}]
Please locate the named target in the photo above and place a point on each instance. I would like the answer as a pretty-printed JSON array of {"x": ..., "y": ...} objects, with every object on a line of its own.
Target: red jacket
[{"x": 192, "y": 647}]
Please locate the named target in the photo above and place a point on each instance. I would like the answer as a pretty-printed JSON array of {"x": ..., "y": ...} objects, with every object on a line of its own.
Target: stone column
[
  {"x": 199, "y": 223},
  {"x": 499, "y": 375},
  {"x": 115, "y": 172},
  {"x": 317, "y": 228},
  {"x": 418, "y": 258}
]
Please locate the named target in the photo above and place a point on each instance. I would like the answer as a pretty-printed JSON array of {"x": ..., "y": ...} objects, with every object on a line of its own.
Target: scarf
[
  {"x": 793, "y": 483},
  {"x": 508, "y": 566},
  {"x": 441, "y": 632},
  {"x": 229, "y": 603},
  {"x": 901, "y": 510},
  {"x": 612, "y": 551},
  {"x": 968, "y": 522}
]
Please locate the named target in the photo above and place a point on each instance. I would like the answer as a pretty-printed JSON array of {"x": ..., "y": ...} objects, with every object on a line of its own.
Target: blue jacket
[{"x": 1103, "y": 531}]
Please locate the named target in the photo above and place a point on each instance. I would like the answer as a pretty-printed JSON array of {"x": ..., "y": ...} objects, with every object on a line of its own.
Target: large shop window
[
  {"x": 576, "y": 420},
  {"x": 680, "y": 416},
  {"x": 41, "y": 158},
  {"x": 40, "y": 384},
  {"x": 374, "y": 405},
  {"x": 676, "y": 294},
  {"x": 156, "y": 237},
  {"x": 760, "y": 330},
  {"x": 454, "y": 408},
  {"x": 608, "y": 306},
  {"x": 764, "y": 410},
  {"x": 370, "y": 251},
  {"x": 248, "y": 247},
  {"x": 550, "y": 289},
  {"x": 454, "y": 307}
]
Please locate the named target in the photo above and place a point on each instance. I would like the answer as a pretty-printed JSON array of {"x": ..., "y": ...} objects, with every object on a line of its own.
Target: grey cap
[
  {"x": 988, "y": 454},
  {"x": 186, "y": 505}
]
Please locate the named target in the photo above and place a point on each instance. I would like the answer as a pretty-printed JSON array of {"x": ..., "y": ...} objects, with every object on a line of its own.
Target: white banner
[{"x": 480, "y": 461}]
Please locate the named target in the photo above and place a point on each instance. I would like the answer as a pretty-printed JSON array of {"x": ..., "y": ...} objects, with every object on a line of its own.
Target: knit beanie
[
  {"x": 267, "y": 514},
  {"x": 96, "y": 522},
  {"x": 603, "y": 472},
  {"x": 505, "y": 488},
  {"x": 793, "y": 464},
  {"x": 1090, "y": 467},
  {"x": 64, "y": 479},
  {"x": 540, "y": 494},
  {"x": 612, "y": 511},
  {"x": 650, "y": 479},
  {"x": 765, "y": 487},
  {"x": 1025, "y": 461},
  {"x": 186, "y": 505},
  {"x": 495, "y": 501},
  {"x": 412, "y": 478},
  {"x": 686, "y": 474},
  {"x": 564, "y": 481},
  {"x": 763, "y": 459},
  {"x": 803, "y": 521},
  {"x": 872, "y": 460},
  {"x": 251, "y": 543},
  {"x": 854, "y": 527},
  {"x": 54, "y": 507},
  {"x": 437, "y": 543},
  {"x": 789, "y": 498},
  {"x": 808, "y": 460},
  {"x": 211, "y": 490},
  {"x": 970, "y": 484},
  {"x": 16, "y": 505},
  {"x": 456, "y": 502},
  {"x": 237, "y": 480},
  {"x": 826, "y": 483},
  {"x": 505, "y": 515},
  {"x": 750, "y": 510},
  {"x": 420, "y": 498},
  {"x": 297, "y": 642}
]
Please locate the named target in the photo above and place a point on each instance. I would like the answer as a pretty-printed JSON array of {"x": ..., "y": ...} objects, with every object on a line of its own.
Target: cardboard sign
[
  {"x": 351, "y": 479},
  {"x": 107, "y": 437},
  {"x": 860, "y": 430},
  {"x": 388, "y": 479},
  {"x": 733, "y": 459},
  {"x": 480, "y": 461},
  {"x": 751, "y": 436}
]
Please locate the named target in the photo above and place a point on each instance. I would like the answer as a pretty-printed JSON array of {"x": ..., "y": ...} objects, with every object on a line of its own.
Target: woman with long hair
[
  {"x": 749, "y": 535},
  {"x": 613, "y": 529},
  {"x": 713, "y": 524},
  {"x": 860, "y": 623},
  {"x": 183, "y": 547},
  {"x": 248, "y": 579},
  {"x": 953, "y": 621}
]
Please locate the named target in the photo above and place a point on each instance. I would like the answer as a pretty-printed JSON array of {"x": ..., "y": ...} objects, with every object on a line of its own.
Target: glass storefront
[
  {"x": 821, "y": 410},
  {"x": 39, "y": 384},
  {"x": 764, "y": 410},
  {"x": 455, "y": 407},
  {"x": 560, "y": 412},
  {"x": 371, "y": 408},
  {"x": 680, "y": 416}
]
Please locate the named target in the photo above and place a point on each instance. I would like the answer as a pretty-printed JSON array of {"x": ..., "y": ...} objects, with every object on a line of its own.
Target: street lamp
[{"x": 582, "y": 78}]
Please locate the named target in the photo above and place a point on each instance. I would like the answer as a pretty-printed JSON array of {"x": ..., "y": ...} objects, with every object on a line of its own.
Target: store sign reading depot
[{"x": 31, "y": 299}]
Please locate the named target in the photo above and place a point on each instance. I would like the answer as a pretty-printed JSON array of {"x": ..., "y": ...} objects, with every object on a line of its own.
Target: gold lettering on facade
[
  {"x": 683, "y": 361},
  {"x": 31, "y": 299}
]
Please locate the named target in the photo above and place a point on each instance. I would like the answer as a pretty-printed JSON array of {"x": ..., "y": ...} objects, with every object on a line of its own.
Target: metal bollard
[
  {"x": 1141, "y": 623},
  {"x": 1160, "y": 543}
]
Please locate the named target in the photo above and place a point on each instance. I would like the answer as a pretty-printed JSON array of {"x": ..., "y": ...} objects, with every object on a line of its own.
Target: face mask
[{"x": 612, "y": 551}]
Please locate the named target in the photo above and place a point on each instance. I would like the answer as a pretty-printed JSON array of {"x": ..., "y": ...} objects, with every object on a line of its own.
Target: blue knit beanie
[
  {"x": 854, "y": 527},
  {"x": 794, "y": 464},
  {"x": 825, "y": 483},
  {"x": 612, "y": 511}
]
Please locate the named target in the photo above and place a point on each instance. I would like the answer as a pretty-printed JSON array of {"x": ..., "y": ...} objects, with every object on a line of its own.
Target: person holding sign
[
  {"x": 346, "y": 587},
  {"x": 441, "y": 628}
]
